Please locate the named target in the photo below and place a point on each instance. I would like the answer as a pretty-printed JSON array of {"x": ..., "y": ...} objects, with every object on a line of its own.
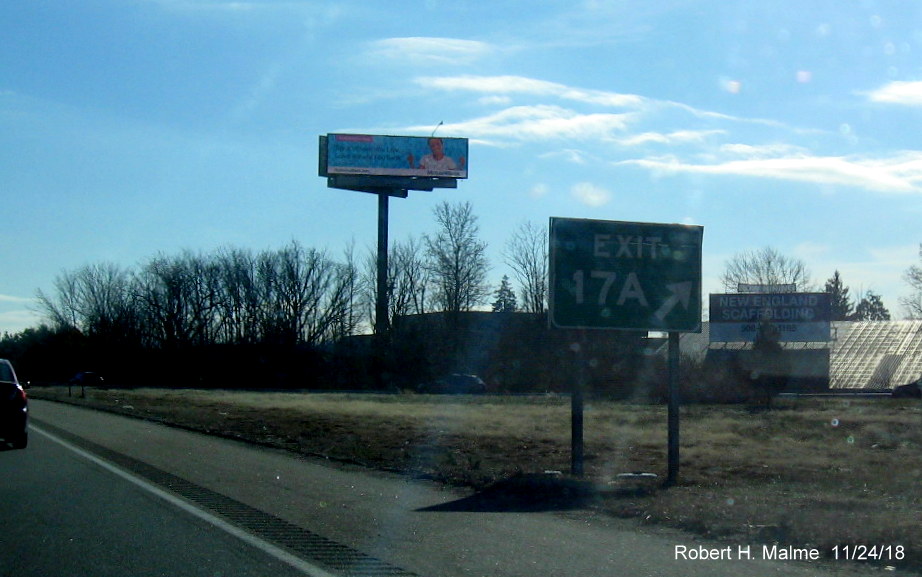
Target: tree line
[
  {"x": 299, "y": 295},
  {"x": 289, "y": 306},
  {"x": 233, "y": 296},
  {"x": 291, "y": 298}
]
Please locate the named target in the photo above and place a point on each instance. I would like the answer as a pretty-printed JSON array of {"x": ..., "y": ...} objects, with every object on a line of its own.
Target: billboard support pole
[
  {"x": 381, "y": 321},
  {"x": 385, "y": 166},
  {"x": 672, "y": 474}
]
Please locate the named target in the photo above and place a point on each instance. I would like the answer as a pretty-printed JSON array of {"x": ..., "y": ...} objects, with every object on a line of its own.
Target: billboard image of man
[{"x": 436, "y": 159}]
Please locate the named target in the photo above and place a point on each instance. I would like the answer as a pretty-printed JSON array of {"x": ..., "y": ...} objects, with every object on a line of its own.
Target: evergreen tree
[
  {"x": 505, "y": 298},
  {"x": 871, "y": 308},
  {"x": 840, "y": 302}
]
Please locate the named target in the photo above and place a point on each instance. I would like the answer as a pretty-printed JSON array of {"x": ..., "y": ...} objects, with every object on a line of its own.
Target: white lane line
[{"x": 300, "y": 564}]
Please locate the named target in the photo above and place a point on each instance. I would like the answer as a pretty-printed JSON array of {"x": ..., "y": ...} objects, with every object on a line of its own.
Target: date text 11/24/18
[{"x": 869, "y": 552}]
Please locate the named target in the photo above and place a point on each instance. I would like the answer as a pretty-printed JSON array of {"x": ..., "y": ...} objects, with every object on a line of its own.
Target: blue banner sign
[
  {"x": 414, "y": 156},
  {"x": 792, "y": 317}
]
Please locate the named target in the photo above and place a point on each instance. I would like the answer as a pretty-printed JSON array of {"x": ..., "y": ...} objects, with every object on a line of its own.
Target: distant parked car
[
  {"x": 14, "y": 408},
  {"x": 455, "y": 384},
  {"x": 911, "y": 391}
]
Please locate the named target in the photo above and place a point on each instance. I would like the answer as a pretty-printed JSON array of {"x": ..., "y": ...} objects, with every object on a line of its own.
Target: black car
[
  {"x": 14, "y": 408},
  {"x": 912, "y": 390}
]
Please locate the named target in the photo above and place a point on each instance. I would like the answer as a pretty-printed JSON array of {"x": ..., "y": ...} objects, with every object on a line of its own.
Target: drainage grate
[{"x": 306, "y": 544}]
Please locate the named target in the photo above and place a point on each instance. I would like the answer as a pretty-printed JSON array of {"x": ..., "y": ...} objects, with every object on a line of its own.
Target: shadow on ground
[{"x": 533, "y": 493}]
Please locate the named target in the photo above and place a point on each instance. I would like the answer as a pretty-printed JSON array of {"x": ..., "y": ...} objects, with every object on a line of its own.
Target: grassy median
[{"x": 809, "y": 473}]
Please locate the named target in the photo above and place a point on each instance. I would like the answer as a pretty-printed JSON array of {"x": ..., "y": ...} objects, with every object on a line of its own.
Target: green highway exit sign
[{"x": 625, "y": 275}]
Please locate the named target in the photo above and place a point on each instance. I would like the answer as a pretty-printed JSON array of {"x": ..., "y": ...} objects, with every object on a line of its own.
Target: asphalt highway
[
  {"x": 99, "y": 494},
  {"x": 65, "y": 515}
]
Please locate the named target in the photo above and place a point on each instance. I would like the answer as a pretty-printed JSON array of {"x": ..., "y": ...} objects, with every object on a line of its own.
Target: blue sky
[{"x": 134, "y": 127}]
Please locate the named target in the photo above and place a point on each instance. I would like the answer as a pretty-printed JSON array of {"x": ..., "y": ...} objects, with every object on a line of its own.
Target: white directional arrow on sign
[{"x": 681, "y": 293}]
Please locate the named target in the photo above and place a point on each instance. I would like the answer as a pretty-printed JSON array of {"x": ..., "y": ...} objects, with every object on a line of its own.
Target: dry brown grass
[{"x": 813, "y": 472}]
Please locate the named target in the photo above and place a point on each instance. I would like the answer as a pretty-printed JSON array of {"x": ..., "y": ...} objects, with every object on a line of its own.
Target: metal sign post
[
  {"x": 626, "y": 276},
  {"x": 576, "y": 430},
  {"x": 672, "y": 457}
]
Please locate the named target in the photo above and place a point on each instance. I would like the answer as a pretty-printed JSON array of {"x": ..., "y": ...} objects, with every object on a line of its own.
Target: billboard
[
  {"x": 796, "y": 317},
  {"x": 408, "y": 156}
]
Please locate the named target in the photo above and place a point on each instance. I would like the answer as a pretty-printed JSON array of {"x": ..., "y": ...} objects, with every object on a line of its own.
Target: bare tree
[
  {"x": 526, "y": 255},
  {"x": 241, "y": 303},
  {"x": 180, "y": 299},
  {"x": 289, "y": 296},
  {"x": 295, "y": 282},
  {"x": 299, "y": 277},
  {"x": 457, "y": 259},
  {"x": 306, "y": 296},
  {"x": 205, "y": 296},
  {"x": 407, "y": 279},
  {"x": 95, "y": 299},
  {"x": 765, "y": 267},
  {"x": 62, "y": 309},
  {"x": 343, "y": 297},
  {"x": 913, "y": 276},
  {"x": 411, "y": 276}
]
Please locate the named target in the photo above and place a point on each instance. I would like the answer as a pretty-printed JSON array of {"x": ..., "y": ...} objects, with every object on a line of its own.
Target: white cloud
[
  {"x": 505, "y": 85},
  {"x": 670, "y": 138},
  {"x": 567, "y": 123},
  {"x": 15, "y": 299},
  {"x": 15, "y": 321},
  {"x": 899, "y": 174},
  {"x": 263, "y": 88},
  {"x": 223, "y": 6},
  {"x": 543, "y": 122},
  {"x": 538, "y": 191},
  {"x": 904, "y": 93},
  {"x": 811, "y": 251},
  {"x": 762, "y": 151},
  {"x": 421, "y": 51},
  {"x": 721, "y": 117},
  {"x": 571, "y": 155},
  {"x": 590, "y": 194},
  {"x": 903, "y": 256},
  {"x": 648, "y": 122},
  {"x": 494, "y": 100}
]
